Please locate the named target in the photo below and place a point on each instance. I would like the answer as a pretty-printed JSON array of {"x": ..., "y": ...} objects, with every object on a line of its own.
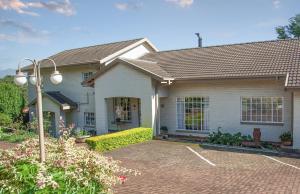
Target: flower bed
[
  {"x": 68, "y": 169},
  {"x": 120, "y": 139},
  {"x": 16, "y": 136},
  {"x": 228, "y": 139}
]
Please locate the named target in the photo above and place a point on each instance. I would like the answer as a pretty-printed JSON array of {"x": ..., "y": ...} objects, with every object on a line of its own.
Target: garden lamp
[{"x": 35, "y": 79}]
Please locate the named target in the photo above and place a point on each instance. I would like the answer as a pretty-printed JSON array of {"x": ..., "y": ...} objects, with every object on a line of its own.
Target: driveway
[{"x": 171, "y": 167}]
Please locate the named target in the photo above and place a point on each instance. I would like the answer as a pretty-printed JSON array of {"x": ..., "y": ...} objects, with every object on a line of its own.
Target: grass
[{"x": 17, "y": 136}]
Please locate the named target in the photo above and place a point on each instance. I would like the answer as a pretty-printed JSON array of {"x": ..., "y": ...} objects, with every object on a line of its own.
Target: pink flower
[{"x": 122, "y": 179}]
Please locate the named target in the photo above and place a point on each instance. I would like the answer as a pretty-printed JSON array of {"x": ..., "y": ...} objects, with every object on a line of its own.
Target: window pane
[
  {"x": 262, "y": 109},
  {"x": 192, "y": 113}
]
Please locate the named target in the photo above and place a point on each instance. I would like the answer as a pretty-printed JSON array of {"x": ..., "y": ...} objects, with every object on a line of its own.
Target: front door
[{"x": 123, "y": 113}]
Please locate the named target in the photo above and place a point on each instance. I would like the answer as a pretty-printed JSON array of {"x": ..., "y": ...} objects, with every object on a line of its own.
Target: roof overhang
[
  {"x": 63, "y": 105},
  {"x": 90, "y": 82},
  {"x": 124, "y": 50}
]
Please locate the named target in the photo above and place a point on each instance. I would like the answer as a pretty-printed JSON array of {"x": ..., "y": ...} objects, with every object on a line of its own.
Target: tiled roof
[
  {"x": 148, "y": 66},
  {"x": 87, "y": 55},
  {"x": 61, "y": 99},
  {"x": 58, "y": 98},
  {"x": 257, "y": 59}
]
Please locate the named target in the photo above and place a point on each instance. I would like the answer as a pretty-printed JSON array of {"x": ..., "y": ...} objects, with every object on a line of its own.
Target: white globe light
[
  {"x": 32, "y": 79},
  {"x": 20, "y": 79},
  {"x": 56, "y": 77}
]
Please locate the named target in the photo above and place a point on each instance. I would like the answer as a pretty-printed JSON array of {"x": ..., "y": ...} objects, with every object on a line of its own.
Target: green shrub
[
  {"x": 119, "y": 139},
  {"x": 5, "y": 120},
  {"x": 228, "y": 139},
  {"x": 11, "y": 99},
  {"x": 286, "y": 136},
  {"x": 16, "y": 136}
]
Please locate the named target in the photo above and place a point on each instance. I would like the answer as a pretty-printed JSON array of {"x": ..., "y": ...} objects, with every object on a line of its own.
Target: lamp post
[{"x": 35, "y": 79}]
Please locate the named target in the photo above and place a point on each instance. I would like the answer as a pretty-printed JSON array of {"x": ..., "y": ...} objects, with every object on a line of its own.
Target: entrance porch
[{"x": 123, "y": 113}]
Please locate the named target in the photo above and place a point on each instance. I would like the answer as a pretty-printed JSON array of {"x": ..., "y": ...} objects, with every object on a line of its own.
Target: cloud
[
  {"x": 62, "y": 7},
  {"x": 276, "y": 4},
  {"x": 181, "y": 3},
  {"x": 22, "y": 32},
  {"x": 17, "y": 6},
  {"x": 128, "y": 6}
]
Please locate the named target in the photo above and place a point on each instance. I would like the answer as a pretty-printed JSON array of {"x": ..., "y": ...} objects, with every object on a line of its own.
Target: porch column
[
  {"x": 101, "y": 115},
  {"x": 296, "y": 120}
]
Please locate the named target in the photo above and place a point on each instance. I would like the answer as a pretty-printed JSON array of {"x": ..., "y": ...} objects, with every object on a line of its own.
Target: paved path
[{"x": 169, "y": 167}]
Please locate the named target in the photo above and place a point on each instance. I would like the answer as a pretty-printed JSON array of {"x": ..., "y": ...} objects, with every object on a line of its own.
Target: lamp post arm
[
  {"x": 53, "y": 62},
  {"x": 21, "y": 63}
]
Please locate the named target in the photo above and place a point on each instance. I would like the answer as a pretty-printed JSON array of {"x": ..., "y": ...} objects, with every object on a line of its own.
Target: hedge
[{"x": 119, "y": 139}]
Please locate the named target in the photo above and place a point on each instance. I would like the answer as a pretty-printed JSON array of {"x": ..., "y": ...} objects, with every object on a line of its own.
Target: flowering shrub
[{"x": 68, "y": 168}]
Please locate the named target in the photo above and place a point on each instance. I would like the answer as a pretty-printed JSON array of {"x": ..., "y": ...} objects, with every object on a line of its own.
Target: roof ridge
[
  {"x": 233, "y": 44},
  {"x": 136, "y": 39}
]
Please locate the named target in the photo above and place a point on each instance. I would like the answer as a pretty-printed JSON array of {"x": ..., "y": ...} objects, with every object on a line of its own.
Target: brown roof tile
[
  {"x": 87, "y": 55},
  {"x": 265, "y": 58}
]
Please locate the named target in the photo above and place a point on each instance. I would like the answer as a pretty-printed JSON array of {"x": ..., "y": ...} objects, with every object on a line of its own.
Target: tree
[
  {"x": 11, "y": 98},
  {"x": 292, "y": 30}
]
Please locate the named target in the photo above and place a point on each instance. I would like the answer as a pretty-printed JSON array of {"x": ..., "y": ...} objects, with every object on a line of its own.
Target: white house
[{"x": 194, "y": 91}]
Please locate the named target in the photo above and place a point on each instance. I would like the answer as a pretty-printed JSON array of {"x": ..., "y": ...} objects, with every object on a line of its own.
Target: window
[
  {"x": 192, "y": 113},
  {"x": 122, "y": 108},
  {"x": 86, "y": 75},
  {"x": 262, "y": 109},
  {"x": 89, "y": 119}
]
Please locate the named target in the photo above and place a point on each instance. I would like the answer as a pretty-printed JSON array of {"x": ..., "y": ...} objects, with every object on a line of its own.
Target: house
[{"x": 193, "y": 91}]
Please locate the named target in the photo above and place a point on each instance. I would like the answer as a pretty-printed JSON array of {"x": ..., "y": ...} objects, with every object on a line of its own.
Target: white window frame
[
  {"x": 89, "y": 119},
  {"x": 86, "y": 75},
  {"x": 261, "y": 120},
  {"x": 205, "y": 123}
]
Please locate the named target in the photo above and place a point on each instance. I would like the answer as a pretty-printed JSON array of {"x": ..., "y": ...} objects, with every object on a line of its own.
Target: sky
[{"x": 37, "y": 29}]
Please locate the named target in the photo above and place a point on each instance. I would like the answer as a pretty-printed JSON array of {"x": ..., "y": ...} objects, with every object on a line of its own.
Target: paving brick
[{"x": 169, "y": 167}]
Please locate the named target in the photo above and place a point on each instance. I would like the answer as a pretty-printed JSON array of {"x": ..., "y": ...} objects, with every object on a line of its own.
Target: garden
[
  {"x": 253, "y": 141},
  {"x": 68, "y": 168}
]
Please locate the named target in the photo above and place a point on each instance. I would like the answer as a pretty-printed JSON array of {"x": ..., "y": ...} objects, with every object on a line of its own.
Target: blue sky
[{"x": 40, "y": 28}]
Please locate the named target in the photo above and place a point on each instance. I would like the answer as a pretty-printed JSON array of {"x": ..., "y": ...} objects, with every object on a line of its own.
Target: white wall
[
  {"x": 122, "y": 81},
  {"x": 72, "y": 88},
  {"x": 296, "y": 119},
  {"x": 224, "y": 104},
  {"x": 135, "y": 53}
]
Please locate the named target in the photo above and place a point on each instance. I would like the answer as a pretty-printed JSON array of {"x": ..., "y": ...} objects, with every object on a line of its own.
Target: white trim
[
  {"x": 116, "y": 54},
  {"x": 271, "y": 158},
  {"x": 287, "y": 79},
  {"x": 203, "y": 158}
]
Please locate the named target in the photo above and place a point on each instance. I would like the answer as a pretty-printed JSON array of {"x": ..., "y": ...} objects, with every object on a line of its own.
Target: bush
[
  {"x": 68, "y": 169},
  {"x": 286, "y": 136},
  {"x": 119, "y": 139},
  {"x": 5, "y": 120},
  {"x": 228, "y": 139},
  {"x": 11, "y": 99}
]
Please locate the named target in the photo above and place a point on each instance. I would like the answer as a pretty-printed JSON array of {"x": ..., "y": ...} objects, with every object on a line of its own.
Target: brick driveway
[{"x": 169, "y": 167}]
